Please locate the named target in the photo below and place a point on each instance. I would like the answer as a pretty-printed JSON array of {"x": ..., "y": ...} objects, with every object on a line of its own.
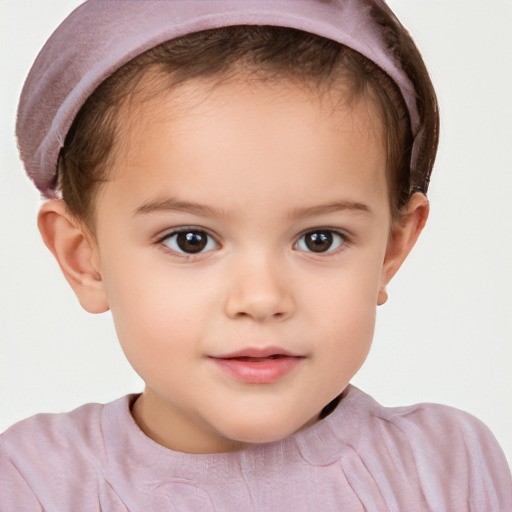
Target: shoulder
[
  {"x": 45, "y": 435},
  {"x": 50, "y": 457},
  {"x": 449, "y": 453},
  {"x": 429, "y": 427},
  {"x": 442, "y": 425}
]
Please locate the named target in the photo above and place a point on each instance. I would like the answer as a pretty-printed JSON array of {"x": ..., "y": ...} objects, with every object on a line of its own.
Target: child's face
[{"x": 259, "y": 177}]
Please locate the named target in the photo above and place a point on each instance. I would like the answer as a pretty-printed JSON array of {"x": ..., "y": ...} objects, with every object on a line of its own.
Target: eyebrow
[
  {"x": 174, "y": 205},
  {"x": 336, "y": 206}
]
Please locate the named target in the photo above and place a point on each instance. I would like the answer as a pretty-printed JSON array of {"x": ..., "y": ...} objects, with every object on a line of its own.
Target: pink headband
[{"x": 100, "y": 36}]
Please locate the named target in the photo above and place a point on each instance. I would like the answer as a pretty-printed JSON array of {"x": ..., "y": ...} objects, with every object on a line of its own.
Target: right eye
[{"x": 190, "y": 241}]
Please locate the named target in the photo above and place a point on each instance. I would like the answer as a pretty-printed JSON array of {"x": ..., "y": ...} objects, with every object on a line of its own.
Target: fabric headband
[{"x": 100, "y": 36}]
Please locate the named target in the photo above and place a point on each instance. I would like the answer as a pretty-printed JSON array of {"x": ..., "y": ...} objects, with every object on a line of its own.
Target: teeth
[{"x": 259, "y": 359}]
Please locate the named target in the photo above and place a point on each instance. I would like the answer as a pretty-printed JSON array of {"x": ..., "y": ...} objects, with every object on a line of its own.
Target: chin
[{"x": 260, "y": 431}]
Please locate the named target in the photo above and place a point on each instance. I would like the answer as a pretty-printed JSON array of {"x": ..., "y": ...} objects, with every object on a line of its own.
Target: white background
[{"x": 446, "y": 333}]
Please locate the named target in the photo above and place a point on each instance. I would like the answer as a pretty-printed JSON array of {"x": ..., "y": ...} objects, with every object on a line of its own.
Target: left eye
[
  {"x": 190, "y": 241},
  {"x": 320, "y": 240}
]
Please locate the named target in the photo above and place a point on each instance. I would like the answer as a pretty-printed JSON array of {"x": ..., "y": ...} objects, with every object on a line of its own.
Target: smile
[{"x": 257, "y": 366}]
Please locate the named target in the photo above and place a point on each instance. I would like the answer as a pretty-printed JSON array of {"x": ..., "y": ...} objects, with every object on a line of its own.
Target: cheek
[
  {"x": 345, "y": 308},
  {"x": 347, "y": 342},
  {"x": 349, "y": 330},
  {"x": 158, "y": 313}
]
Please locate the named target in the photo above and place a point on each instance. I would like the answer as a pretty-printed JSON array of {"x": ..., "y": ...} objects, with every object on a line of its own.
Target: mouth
[{"x": 257, "y": 365}]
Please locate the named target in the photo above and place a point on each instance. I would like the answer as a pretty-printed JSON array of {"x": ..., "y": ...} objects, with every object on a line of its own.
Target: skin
[{"x": 255, "y": 167}]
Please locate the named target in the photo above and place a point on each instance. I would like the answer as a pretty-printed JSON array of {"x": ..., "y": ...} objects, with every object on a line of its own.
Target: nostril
[
  {"x": 260, "y": 315},
  {"x": 260, "y": 300}
]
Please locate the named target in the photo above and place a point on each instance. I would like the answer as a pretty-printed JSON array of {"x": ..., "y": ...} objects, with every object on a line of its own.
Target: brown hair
[{"x": 268, "y": 53}]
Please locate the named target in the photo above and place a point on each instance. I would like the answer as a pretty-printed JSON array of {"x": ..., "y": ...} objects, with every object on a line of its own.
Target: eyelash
[
  {"x": 188, "y": 230},
  {"x": 326, "y": 233},
  {"x": 330, "y": 235}
]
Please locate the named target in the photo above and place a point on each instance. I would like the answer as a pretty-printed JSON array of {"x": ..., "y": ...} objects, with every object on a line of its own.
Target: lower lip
[{"x": 264, "y": 371}]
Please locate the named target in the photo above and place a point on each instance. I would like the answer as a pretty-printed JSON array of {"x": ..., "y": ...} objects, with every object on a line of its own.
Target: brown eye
[
  {"x": 190, "y": 241},
  {"x": 321, "y": 240}
]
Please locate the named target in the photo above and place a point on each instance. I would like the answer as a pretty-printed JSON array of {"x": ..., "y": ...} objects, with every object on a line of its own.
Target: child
[{"x": 238, "y": 182}]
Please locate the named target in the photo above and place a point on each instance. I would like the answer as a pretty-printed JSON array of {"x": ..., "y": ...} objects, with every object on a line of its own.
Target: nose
[{"x": 260, "y": 289}]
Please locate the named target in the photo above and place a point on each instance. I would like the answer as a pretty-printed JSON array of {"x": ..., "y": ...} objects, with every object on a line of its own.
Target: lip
[{"x": 257, "y": 365}]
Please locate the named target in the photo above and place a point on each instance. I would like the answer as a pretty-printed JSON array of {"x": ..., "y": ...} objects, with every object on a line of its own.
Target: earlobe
[
  {"x": 76, "y": 253},
  {"x": 402, "y": 239},
  {"x": 382, "y": 297}
]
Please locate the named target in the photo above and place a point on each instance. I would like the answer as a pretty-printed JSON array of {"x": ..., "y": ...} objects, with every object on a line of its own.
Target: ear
[
  {"x": 402, "y": 239},
  {"x": 76, "y": 252}
]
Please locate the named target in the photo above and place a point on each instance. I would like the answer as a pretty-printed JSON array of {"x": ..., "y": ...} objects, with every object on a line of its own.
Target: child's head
[
  {"x": 277, "y": 55},
  {"x": 239, "y": 198}
]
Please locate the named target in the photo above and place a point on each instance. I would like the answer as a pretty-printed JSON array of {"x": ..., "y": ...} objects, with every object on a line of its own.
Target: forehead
[
  {"x": 239, "y": 137},
  {"x": 156, "y": 95}
]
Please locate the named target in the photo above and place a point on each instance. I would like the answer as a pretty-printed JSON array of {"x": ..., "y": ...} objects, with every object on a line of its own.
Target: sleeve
[
  {"x": 15, "y": 493},
  {"x": 490, "y": 482},
  {"x": 460, "y": 463}
]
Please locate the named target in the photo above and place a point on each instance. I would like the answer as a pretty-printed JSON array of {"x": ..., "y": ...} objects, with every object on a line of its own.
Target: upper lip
[{"x": 257, "y": 352}]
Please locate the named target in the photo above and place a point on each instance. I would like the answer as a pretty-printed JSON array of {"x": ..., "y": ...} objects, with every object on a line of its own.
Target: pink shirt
[{"x": 362, "y": 457}]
